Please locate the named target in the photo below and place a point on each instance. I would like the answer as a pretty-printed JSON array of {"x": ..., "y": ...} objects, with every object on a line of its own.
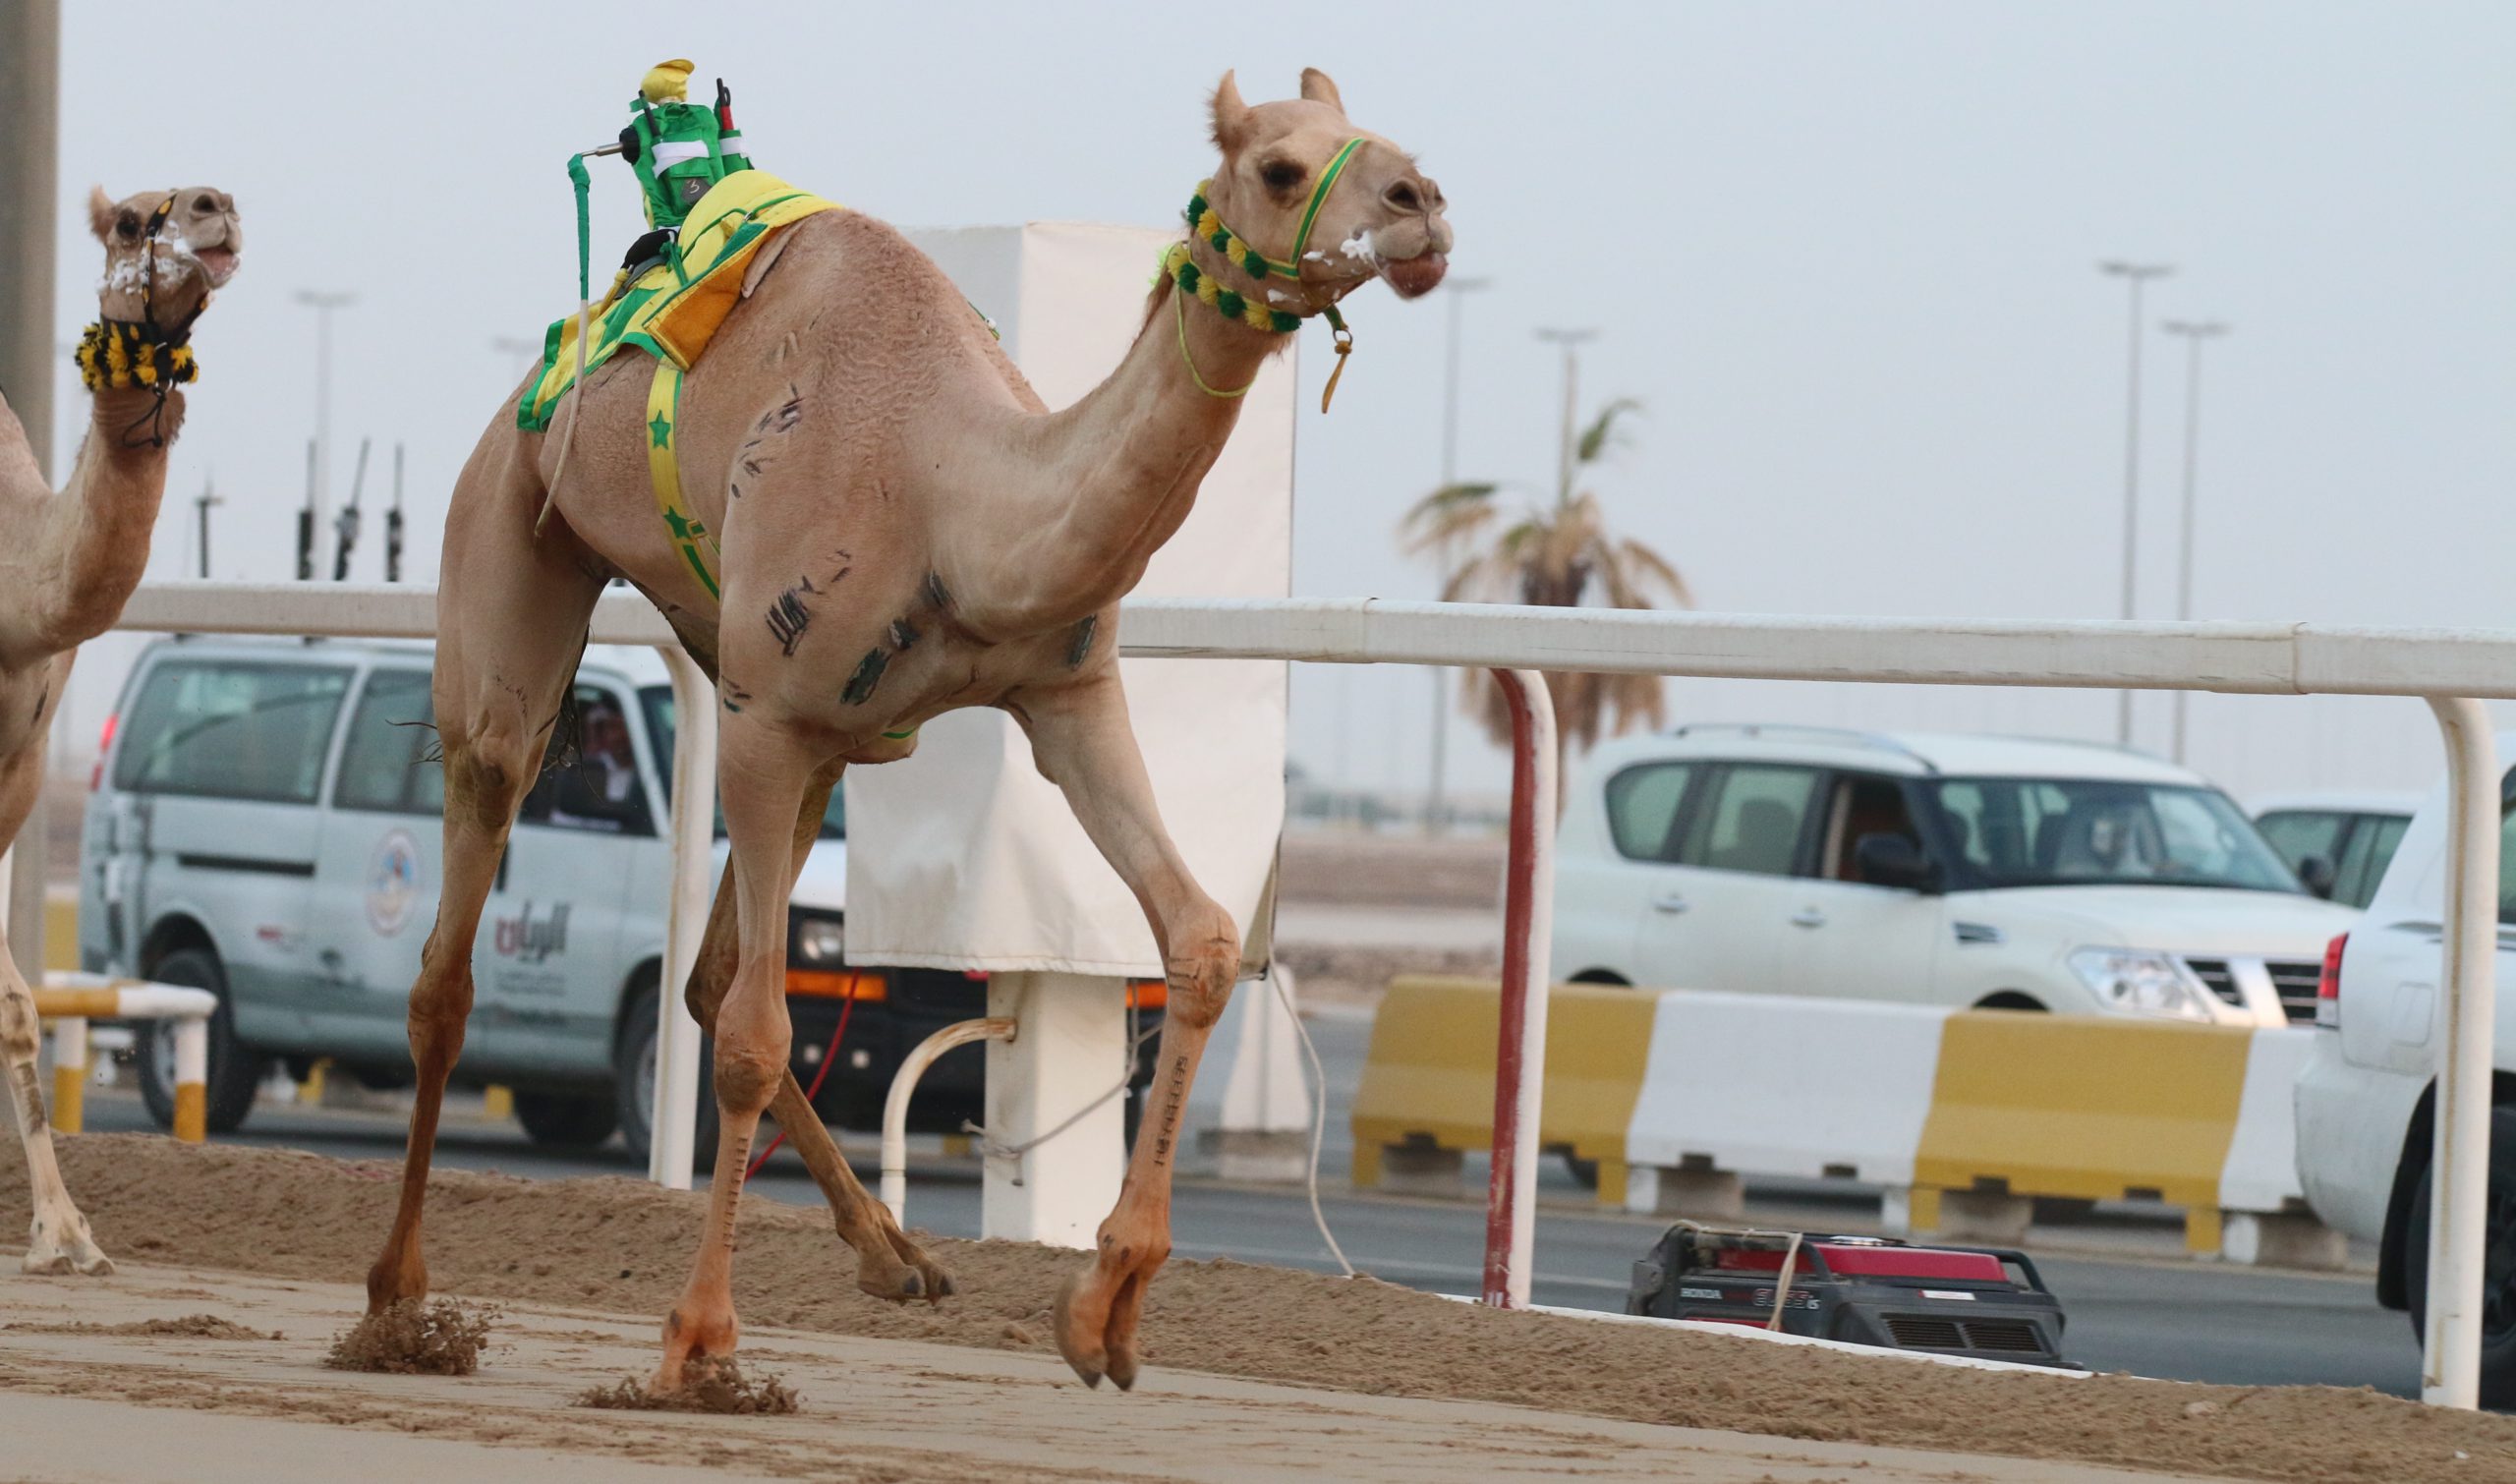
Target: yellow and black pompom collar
[{"x": 124, "y": 353}]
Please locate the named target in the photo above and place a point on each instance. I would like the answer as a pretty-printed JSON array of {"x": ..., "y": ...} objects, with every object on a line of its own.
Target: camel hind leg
[
  {"x": 888, "y": 1264},
  {"x": 512, "y": 609},
  {"x": 58, "y": 1240}
]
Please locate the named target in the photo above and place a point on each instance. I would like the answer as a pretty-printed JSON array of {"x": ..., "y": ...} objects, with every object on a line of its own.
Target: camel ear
[
  {"x": 101, "y": 213},
  {"x": 1320, "y": 87},
  {"x": 1232, "y": 116}
]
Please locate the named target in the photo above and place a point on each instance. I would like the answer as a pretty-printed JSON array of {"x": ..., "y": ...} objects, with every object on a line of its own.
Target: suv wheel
[
  {"x": 633, "y": 1082},
  {"x": 235, "y": 1068},
  {"x": 566, "y": 1121},
  {"x": 2498, "y": 1263}
]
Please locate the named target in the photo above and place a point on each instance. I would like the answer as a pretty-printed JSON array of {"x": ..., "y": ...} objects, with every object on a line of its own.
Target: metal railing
[{"x": 2452, "y": 670}]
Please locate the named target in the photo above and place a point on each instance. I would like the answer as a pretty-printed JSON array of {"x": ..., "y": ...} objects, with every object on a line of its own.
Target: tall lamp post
[
  {"x": 1455, "y": 289},
  {"x": 2137, "y": 276},
  {"x": 318, "y": 492},
  {"x": 2195, "y": 332},
  {"x": 1572, "y": 340}
]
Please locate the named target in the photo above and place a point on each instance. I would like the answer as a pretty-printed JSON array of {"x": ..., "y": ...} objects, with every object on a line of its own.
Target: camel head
[
  {"x": 1379, "y": 216},
  {"x": 164, "y": 252}
]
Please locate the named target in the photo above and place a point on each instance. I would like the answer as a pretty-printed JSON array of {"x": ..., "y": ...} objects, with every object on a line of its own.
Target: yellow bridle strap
[
  {"x": 663, "y": 471},
  {"x": 1180, "y": 304}
]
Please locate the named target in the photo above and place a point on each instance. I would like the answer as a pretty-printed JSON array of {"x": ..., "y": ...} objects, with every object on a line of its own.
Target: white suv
[
  {"x": 2365, "y": 1099},
  {"x": 1936, "y": 869}
]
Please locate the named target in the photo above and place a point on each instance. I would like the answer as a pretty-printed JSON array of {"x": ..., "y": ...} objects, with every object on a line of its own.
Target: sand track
[{"x": 597, "y": 1259}]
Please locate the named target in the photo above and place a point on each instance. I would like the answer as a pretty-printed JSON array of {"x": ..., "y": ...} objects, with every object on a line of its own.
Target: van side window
[
  {"x": 1755, "y": 823},
  {"x": 600, "y": 792},
  {"x": 388, "y": 761},
  {"x": 231, "y": 729},
  {"x": 1862, "y": 806},
  {"x": 1642, "y": 809}
]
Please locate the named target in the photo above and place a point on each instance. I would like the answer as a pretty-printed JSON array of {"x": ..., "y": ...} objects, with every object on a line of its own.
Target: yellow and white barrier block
[
  {"x": 1964, "y": 1116},
  {"x": 70, "y": 999}
]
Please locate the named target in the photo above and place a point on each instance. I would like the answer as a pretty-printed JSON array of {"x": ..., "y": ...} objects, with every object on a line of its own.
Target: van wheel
[
  {"x": 632, "y": 1083},
  {"x": 566, "y": 1121},
  {"x": 2498, "y": 1263},
  {"x": 235, "y": 1068}
]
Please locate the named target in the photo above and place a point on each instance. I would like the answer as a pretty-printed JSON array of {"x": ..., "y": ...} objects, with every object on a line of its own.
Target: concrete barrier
[{"x": 1965, "y": 1118}]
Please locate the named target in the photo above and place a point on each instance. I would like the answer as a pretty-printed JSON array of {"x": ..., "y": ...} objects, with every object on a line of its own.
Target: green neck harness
[{"x": 1231, "y": 303}]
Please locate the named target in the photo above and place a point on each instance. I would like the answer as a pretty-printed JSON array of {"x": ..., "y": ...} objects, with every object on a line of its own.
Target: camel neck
[
  {"x": 115, "y": 491},
  {"x": 1106, "y": 482}
]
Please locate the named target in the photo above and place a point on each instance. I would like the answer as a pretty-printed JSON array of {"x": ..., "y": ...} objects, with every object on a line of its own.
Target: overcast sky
[{"x": 1845, "y": 256}]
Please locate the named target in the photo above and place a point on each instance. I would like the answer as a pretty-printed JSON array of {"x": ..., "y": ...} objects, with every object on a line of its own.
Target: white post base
[
  {"x": 1070, "y": 1048},
  {"x": 1716, "y": 1195},
  {"x": 2286, "y": 1241}
]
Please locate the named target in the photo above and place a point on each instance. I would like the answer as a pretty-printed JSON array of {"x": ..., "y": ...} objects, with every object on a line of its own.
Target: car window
[
  {"x": 1862, "y": 806},
  {"x": 2364, "y": 861},
  {"x": 2085, "y": 831},
  {"x": 2296, "y": 833},
  {"x": 231, "y": 729},
  {"x": 1642, "y": 809},
  {"x": 1755, "y": 823},
  {"x": 657, "y": 701},
  {"x": 600, "y": 792},
  {"x": 388, "y": 761}
]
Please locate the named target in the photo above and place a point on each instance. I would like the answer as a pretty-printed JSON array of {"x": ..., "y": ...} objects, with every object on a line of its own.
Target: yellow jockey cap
[{"x": 669, "y": 82}]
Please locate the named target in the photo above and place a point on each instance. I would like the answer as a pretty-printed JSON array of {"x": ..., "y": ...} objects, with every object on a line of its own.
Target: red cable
[{"x": 830, "y": 1058}]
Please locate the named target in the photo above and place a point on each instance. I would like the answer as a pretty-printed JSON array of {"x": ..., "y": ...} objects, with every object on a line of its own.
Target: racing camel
[
  {"x": 73, "y": 559},
  {"x": 904, "y": 529}
]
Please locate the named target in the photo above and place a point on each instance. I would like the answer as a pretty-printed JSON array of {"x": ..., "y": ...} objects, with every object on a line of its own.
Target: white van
[{"x": 264, "y": 823}]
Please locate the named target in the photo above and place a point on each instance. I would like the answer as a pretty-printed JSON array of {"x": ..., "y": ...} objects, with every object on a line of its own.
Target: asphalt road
[{"x": 2128, "y": 1311}]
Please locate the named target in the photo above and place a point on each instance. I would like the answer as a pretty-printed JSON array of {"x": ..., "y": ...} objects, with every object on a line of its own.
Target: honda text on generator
[{"x": 1982, "y": 1302}]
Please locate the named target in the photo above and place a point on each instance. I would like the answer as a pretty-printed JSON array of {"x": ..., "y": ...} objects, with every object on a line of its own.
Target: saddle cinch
[{"x": 708, "y": 214}]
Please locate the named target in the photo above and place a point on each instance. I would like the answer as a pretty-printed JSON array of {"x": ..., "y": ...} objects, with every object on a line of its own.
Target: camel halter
[
  {"x": 1231, "y": 304},
  {"x": 127, "y": 353}
]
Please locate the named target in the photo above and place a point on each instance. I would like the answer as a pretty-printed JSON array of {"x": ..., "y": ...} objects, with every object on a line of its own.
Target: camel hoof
[
  {"x": 894, "y": 1282},
  {"x": 83, "y": 1257},
  {"x": 1080, "y": 1343},
  {"x": 1123, "y": 1367}
]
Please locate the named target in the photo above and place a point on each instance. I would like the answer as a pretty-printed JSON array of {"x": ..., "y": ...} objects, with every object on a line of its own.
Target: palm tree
[{"x": 1559, "y": 556}]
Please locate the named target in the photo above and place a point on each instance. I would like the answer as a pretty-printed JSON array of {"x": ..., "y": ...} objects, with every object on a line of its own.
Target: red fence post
[{"x": 1520, "y": 1052}]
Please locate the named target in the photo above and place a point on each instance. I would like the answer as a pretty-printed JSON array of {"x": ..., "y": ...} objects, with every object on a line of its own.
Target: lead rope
[{"x": 584, "y": 185}]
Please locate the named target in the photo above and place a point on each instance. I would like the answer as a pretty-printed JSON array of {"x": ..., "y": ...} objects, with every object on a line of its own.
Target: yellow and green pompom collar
[
  {"x": 1231, "y": 304},
  {"x": 123, "y": 352}
]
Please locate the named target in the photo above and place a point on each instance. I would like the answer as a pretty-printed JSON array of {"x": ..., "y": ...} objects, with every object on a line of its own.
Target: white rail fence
[{"x": 2452, "y": 670}]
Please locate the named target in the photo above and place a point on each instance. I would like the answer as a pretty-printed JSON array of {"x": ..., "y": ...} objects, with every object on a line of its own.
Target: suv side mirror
[
  {"x": 2317, "y": 873},
  {"x": 1891, "y": 860}
]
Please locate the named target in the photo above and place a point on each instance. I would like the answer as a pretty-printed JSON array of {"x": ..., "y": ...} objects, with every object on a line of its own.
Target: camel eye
[
  {"x": 128, "y": 224},
  {"x": 1281, "y": 175}
]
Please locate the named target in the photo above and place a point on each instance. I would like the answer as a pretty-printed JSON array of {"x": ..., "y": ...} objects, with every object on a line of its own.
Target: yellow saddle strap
[{"x": 663, "y": 469}]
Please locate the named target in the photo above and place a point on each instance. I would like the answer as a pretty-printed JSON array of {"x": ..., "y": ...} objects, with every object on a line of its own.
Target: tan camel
[
  {"x": 73, "y": 559},
  {"x": 906, "y": 530}
]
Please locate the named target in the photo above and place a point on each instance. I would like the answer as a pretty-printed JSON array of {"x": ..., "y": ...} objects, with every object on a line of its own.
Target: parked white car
[
  {"x": 2365, "y": 1101},
  {"x": 1961, "y": 871}
]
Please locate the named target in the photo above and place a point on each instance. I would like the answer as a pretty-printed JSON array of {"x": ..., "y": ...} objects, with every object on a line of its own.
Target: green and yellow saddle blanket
[{"x": 671, "y": 311}]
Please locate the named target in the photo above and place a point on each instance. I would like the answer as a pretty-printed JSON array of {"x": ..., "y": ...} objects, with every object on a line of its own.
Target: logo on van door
[
  {"x": 392, "y": 882},
  {"x": 528, "y": 939}
]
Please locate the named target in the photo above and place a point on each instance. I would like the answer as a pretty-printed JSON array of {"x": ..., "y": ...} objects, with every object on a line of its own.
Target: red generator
[{"x": 1987, "y": 1303}]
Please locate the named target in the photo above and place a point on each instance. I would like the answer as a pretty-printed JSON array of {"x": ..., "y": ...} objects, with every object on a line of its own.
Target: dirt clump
[
  {"x": 190, "y": 1327},
  {"x": 708, "y": 1385},
  {"x": 416, "y": 1337}
]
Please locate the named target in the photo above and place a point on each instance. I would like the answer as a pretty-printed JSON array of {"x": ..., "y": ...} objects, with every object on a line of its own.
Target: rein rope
[
  {"x": 127, "y": 352},
  {"x": 1203, "y": 222}
]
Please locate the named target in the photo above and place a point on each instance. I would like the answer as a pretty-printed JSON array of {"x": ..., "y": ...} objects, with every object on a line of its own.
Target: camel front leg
[
  {"x": 1082, "y": 742},
  {"x": 888, "y": 1265},
  {"x": 762, "y": 780},
  {"x": 59, "y": 1240}
]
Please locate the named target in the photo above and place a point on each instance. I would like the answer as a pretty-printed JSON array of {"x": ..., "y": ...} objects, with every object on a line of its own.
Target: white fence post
[
  {"x": 1054, "y": 1151},
  {"x": 675, "y": 1113},
  {"x": 2459, "y": 1215}
]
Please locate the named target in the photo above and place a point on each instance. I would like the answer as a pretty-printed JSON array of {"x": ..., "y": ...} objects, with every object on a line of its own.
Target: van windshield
[
  {"x": 2097, "y": 832},
  {"x": 657, "y": 701}
]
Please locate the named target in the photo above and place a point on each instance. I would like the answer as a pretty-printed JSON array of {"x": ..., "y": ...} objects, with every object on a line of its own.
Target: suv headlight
[
  {"x": 2140, "y": 981},
  {"x": 820, "y": 943}
]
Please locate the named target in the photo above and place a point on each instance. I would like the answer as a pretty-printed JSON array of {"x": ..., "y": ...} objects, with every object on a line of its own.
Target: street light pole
[
  {"x": 1454, "y": 288},
  {"x": 2194, "y": 333},
  {"x": 319, "y": 490},
  {"x": 1572, "y": 340},
  {"x": 2137, "y": 276}
]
